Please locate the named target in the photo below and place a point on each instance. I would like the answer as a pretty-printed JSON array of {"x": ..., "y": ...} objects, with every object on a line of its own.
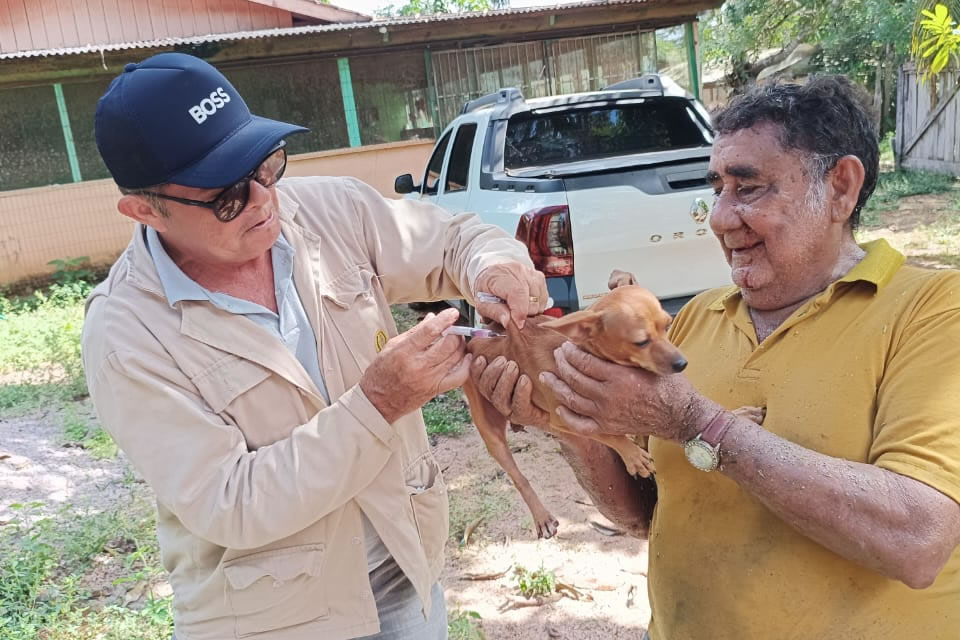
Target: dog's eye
[{"x": 642, "y": 343}]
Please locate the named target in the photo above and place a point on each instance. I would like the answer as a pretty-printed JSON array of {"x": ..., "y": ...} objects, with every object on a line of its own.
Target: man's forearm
[
  {"x": 625, "y": 500},
  {"x": 871, "y": 516}
]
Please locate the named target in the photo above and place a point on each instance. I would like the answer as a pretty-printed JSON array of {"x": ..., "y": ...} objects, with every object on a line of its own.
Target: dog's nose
[{"x": 679, "y": 365}]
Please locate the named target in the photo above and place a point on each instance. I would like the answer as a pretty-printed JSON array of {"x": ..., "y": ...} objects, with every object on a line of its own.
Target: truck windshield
[{"x": 660, "y": 124}]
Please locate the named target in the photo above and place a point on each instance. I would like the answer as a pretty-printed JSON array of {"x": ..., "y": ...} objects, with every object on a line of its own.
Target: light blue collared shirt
[{"x": 290, "y": 325}]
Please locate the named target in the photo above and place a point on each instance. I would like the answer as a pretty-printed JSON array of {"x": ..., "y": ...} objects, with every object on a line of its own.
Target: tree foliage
[
  {"x": 936, "y": 39},
  {"x": 865, "y": 39},
  {"x": 430, "y": 7},
  {"x": 852, "y": 36}
]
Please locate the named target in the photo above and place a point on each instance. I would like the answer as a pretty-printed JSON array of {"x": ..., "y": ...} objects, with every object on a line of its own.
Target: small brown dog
[{"x": 627, "y": 326}]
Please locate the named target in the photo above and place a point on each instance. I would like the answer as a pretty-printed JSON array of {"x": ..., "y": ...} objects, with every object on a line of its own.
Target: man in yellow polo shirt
[{"x": 838, "y": 518}]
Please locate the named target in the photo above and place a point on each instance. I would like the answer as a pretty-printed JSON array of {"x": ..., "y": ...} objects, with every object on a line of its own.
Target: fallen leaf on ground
[
  {"x": 572, "y": 592},
  {"x": 592, "y": 585},
  {"x": 515, "y": 603},
  {"x": 468, "y": 531},
  {"x": 604, "y": 529},
  {"x": 485, "y": 576}
]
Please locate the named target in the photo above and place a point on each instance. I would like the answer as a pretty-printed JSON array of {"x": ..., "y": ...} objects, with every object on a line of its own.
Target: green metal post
[
  {"x": 431, "y": 91},
  {"x": 692, "y": 59},
  {"x": 67, "y": 133},
  {"x": 349, "y": 104}
]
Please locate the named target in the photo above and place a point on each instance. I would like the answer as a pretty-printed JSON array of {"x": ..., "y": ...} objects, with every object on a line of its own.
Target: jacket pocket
[
  {"x": 226, "y": 379},
  {"x": 428, "y": 498},
  {"x": 346, "y": 288},
  {"x": 276, "y": 589},
  {"x": 355, "y": 305}
]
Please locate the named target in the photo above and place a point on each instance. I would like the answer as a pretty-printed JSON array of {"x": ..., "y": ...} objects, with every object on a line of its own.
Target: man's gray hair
[{"x": 816, "y": 166}]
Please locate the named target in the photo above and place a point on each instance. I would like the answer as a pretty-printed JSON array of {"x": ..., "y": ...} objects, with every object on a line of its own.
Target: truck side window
[
  {"x": 458, "y": 169},
  {"x": 432, "y": 179}
]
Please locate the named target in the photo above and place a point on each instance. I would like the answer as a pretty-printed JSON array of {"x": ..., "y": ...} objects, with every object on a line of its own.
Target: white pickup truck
[{"x": 590, "y": 182}]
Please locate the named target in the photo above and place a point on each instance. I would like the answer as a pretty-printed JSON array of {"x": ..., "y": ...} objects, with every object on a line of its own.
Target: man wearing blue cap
[{"x": 248, "y": 364}]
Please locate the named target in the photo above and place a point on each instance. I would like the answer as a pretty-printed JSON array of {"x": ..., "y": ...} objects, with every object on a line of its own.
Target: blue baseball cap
[{"x": 174, "y": 118}]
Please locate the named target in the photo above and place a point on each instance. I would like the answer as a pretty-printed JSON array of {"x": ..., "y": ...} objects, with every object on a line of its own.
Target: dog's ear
[
  {"x": 579, "y": 325},
  {"x": 620, "y": 279}
]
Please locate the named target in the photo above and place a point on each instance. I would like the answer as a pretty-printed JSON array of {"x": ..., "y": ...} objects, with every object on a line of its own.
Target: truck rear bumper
[{"x": 563, "y": 290}]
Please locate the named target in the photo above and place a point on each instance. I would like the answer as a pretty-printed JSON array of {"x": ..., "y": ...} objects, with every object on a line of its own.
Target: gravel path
[{"x": 37, "y": 466}]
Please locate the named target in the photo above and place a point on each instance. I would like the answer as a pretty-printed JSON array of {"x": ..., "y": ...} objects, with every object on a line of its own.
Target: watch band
[{"x": 717, "y": 427}]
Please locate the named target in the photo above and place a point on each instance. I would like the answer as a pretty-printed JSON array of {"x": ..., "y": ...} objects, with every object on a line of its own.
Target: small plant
[
  {"x": 536, "y": 584},
  {"x": 465, "y": 625},
  {"x": 75, "y": 428},
  {"x": 100, "y": 445},
  {"x": 71, "y": 270},
  {"x": 77, "y": 431}
]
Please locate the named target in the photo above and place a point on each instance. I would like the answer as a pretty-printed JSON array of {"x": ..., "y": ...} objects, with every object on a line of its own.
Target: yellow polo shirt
[{"x": 868, "y": 371}]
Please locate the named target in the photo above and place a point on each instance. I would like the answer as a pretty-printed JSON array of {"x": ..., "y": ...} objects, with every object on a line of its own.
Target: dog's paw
[
  {"x": 638, "y": 461},
  {"x": 753, "y": 414},
  {"x": 547, "y": 527}
]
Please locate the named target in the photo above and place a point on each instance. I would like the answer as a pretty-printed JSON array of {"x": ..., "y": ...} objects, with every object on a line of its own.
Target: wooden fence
[{"x": 928, "y": 135}]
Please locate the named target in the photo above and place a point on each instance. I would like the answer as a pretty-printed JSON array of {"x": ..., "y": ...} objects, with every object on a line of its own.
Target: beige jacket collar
[{"x": 236, "y": 334}]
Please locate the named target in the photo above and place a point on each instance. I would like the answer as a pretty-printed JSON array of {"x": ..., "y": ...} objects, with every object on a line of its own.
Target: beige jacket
[{"x": 259, "y": 484}]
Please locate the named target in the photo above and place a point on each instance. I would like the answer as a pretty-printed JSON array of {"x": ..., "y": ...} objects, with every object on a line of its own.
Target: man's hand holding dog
[
  {"x": 508, "y": 391},
  {"x": 522, "y": 287},
  {"x": 416, "y": 366},
  {"x": 599, "y": 397}
]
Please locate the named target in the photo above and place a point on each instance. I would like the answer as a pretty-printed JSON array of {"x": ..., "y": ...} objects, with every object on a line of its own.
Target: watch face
[{"x": 701, "y": 455}]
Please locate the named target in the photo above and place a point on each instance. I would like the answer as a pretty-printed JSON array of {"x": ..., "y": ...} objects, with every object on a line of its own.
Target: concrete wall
[{"x": 67, "y": 221}]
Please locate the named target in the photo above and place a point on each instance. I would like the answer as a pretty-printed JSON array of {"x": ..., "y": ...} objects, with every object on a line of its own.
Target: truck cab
[{"x": 590, "y": 182}]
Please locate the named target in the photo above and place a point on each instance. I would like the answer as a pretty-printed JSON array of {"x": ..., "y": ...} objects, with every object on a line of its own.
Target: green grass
[
  {"x": 40, "y": 347},
  {"x": 464, "y": 625},
  {"x": 43, "y": 594},
  {"x": 446, "y": 415},
  {"x": 886, "y": 150},
  {"x": 893, "y": 185},
  {"x": 79, "y": 432}
]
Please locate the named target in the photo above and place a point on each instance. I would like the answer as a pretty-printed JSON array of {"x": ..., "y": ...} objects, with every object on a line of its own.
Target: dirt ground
[
  {"x": 610, "y": 571},
  {"x": 925, "y": 228}
]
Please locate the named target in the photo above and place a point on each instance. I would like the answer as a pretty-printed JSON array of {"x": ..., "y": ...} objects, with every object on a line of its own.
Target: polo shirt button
[
  {"x": 356, "y": 540},
  {"x": 364, "y": 595}
]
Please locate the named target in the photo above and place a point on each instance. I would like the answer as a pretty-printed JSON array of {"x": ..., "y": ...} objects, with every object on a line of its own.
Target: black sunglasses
[{"x": 231, "y": 201}]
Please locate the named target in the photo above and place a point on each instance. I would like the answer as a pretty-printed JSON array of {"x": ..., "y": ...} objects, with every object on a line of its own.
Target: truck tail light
[{"x": 546, "y": 232}]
